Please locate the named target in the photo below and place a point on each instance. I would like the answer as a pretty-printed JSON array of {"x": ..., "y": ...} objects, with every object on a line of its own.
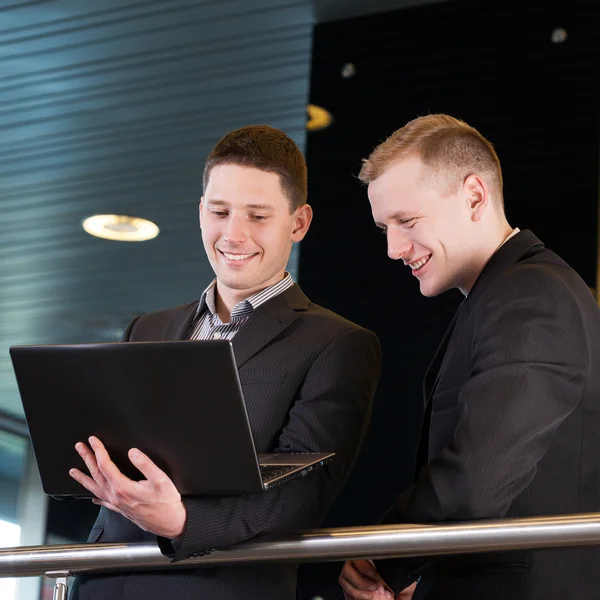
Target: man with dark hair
[
  {"x": 513, "y": 394},
  {"x": 308, "y": 377}
]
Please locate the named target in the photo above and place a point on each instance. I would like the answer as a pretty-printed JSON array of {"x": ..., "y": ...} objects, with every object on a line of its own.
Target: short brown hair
[
  {"x": 267, "y": 149},
  {"x": 449, "y": 147}
]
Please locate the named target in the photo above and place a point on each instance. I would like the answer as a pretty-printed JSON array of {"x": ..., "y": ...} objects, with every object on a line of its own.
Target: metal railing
[{"x": 320, "y": 545}]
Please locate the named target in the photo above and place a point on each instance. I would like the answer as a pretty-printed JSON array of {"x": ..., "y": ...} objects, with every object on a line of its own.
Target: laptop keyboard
[{"x": 271, "y": 471}]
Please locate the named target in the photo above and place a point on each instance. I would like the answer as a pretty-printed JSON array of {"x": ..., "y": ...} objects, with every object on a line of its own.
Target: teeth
[
  {"x": 237, "y": 256},
  {"x": 417, "y": 265}
]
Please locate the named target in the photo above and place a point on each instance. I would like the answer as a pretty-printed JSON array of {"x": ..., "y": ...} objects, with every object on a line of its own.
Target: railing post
[{"x": 61, "y": 589}]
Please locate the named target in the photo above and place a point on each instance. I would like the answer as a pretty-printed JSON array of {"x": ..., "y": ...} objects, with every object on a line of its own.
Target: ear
[
  {"x": 200, "y": 208},
  {"x": 302, "y": 218},
  {"x": 477, "y": 196}
]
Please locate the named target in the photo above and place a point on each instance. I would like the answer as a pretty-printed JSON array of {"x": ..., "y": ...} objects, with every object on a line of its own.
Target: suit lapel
[
  {"x": 267, "y": 322},
  {"x": 430, "y": 382},
  {"x": 432, "y": 375}
]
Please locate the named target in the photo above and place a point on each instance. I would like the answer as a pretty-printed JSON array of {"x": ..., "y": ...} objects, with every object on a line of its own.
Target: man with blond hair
[{"x": 513, "y": 393}]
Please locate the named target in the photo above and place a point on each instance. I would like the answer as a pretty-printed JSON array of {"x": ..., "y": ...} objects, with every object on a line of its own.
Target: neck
[
  {"x": 225, "y": 300},
  {"x": 485, "y": 248}
]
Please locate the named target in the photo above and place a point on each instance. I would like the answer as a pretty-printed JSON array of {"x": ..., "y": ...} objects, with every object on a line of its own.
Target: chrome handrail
[{"x": 320, "y": 545}]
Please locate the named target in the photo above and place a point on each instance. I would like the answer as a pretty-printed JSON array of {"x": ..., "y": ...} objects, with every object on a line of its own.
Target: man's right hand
[{"x": 360, "y": 581}]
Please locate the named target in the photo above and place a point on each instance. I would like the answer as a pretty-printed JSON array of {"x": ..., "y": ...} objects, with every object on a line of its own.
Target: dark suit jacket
[
  {"x": 309, "y": 377},
  {"x": 511, "y": 429}
]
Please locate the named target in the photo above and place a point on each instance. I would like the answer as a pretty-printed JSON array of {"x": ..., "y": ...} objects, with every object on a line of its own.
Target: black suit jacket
[
  {"x": 511, "y": 429},
  {"x": 309, "y": 377}
]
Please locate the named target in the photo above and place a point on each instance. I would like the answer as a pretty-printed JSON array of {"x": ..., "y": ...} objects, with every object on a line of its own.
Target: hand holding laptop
[{"x": 154, "y": 504}]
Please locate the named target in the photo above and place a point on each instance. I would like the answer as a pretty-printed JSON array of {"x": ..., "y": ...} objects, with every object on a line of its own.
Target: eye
[
  {"x": 383, "y": 230},
  {"x": 219, "y": 213},
  {"x": 259, "y": 217},
  {"x": 408, "y": 222}
]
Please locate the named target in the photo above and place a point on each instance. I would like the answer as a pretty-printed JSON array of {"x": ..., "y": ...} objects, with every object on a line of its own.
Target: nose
[
  {"x": 235, "y": 230},
  {"x": 399, "y": 246}
]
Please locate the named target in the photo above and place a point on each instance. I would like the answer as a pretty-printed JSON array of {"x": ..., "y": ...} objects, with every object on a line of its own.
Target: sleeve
[
  {"x": 330, "y": 413},
  {"x": 528, "y": 374}
]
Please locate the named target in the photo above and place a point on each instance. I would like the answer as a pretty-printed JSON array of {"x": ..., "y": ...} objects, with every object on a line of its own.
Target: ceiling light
[
  {"x": 559, "y": 35},
  {"x": 120, "y": 228},
  {"x": 318, "y": 118},
  {"x": 348, "y": 71}
]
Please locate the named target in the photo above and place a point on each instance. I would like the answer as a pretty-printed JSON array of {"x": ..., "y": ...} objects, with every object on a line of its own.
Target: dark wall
[{"x": 494, "y": 65}]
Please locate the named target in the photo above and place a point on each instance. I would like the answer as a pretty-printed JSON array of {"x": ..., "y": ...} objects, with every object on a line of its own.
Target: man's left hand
[
  {"x": 154, "y": 504},
  {"x": 407, "y": 593}
]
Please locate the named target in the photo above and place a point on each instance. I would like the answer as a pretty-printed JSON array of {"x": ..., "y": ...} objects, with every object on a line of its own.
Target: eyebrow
[
  {"x": 398, "y": 216},
  {"x": 252, "y": 206},
  {"x": 260, "y": 206}
]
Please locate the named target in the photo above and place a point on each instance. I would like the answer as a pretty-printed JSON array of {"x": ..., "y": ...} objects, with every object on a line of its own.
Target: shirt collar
[
  {"x": 511, "y": 234},
  {"x": 245, "y": 307}
]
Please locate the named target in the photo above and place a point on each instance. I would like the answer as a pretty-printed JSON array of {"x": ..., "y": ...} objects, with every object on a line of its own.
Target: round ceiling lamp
[{"x": 120, "y": 228}]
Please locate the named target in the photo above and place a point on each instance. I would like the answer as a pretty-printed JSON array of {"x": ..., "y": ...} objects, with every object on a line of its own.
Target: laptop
[{"x": 180, "y": 402}]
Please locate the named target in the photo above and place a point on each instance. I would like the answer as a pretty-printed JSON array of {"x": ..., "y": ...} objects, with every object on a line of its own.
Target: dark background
[{"x": 493, "y": 64}]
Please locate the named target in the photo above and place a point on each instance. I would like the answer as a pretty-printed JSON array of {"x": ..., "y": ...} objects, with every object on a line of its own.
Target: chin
[
  {"x": 430, "y": 291},
  {"x": 430, "y": 294},
  {"x": 237, "y": 284}
]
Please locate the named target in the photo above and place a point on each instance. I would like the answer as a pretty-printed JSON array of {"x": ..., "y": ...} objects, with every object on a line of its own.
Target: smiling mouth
[
  {"x": 419, "y": 264},
  {"x": 237, "y": 257}
]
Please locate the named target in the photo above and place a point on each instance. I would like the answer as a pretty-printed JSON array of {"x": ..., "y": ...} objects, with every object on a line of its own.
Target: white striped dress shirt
[{"x": 207, "y": 324}]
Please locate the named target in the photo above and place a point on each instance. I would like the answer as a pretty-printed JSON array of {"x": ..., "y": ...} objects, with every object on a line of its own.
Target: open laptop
[{"x": 180, "y": 402}]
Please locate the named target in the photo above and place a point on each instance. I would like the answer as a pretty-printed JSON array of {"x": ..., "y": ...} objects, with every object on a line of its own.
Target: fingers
[
  {"x": 105, "y": 476},
  {"x": 353, "y": 593},
  {"x": 360, "y": 580},
  {"x": 147, "y": 468},
  {"x": 106, "y": 504},
  {"x": 407, "y": 593},
  {"x": 94, "y": 484},
  {"x": 367, "y": 570},
  {"x": 87, "y": 482},
  {"x": 106, "y": 466},
  {"x": 89, "y": 458},
  {"x": 154, "y": 503}
]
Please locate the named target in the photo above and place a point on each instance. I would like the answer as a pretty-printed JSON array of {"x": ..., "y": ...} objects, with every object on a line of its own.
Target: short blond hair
[{"x": 449, "y": 147}]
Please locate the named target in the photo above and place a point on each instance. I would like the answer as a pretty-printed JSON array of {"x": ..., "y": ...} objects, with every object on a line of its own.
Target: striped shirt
[{"x": 207, "y": 324}]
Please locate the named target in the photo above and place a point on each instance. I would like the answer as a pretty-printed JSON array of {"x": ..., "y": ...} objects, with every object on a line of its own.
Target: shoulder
[
  {"x": 318, "y": 314},
  {"x": 327, "y": 329},
  {"x": 155, "y": 322},
  {"x": 553, "y": 284},
  {"x": 319, "y": 317},
  {"x": 530, "y": 298},
  {"x": 166, "y": 314},
  {"x": 311, "y": 315}
]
